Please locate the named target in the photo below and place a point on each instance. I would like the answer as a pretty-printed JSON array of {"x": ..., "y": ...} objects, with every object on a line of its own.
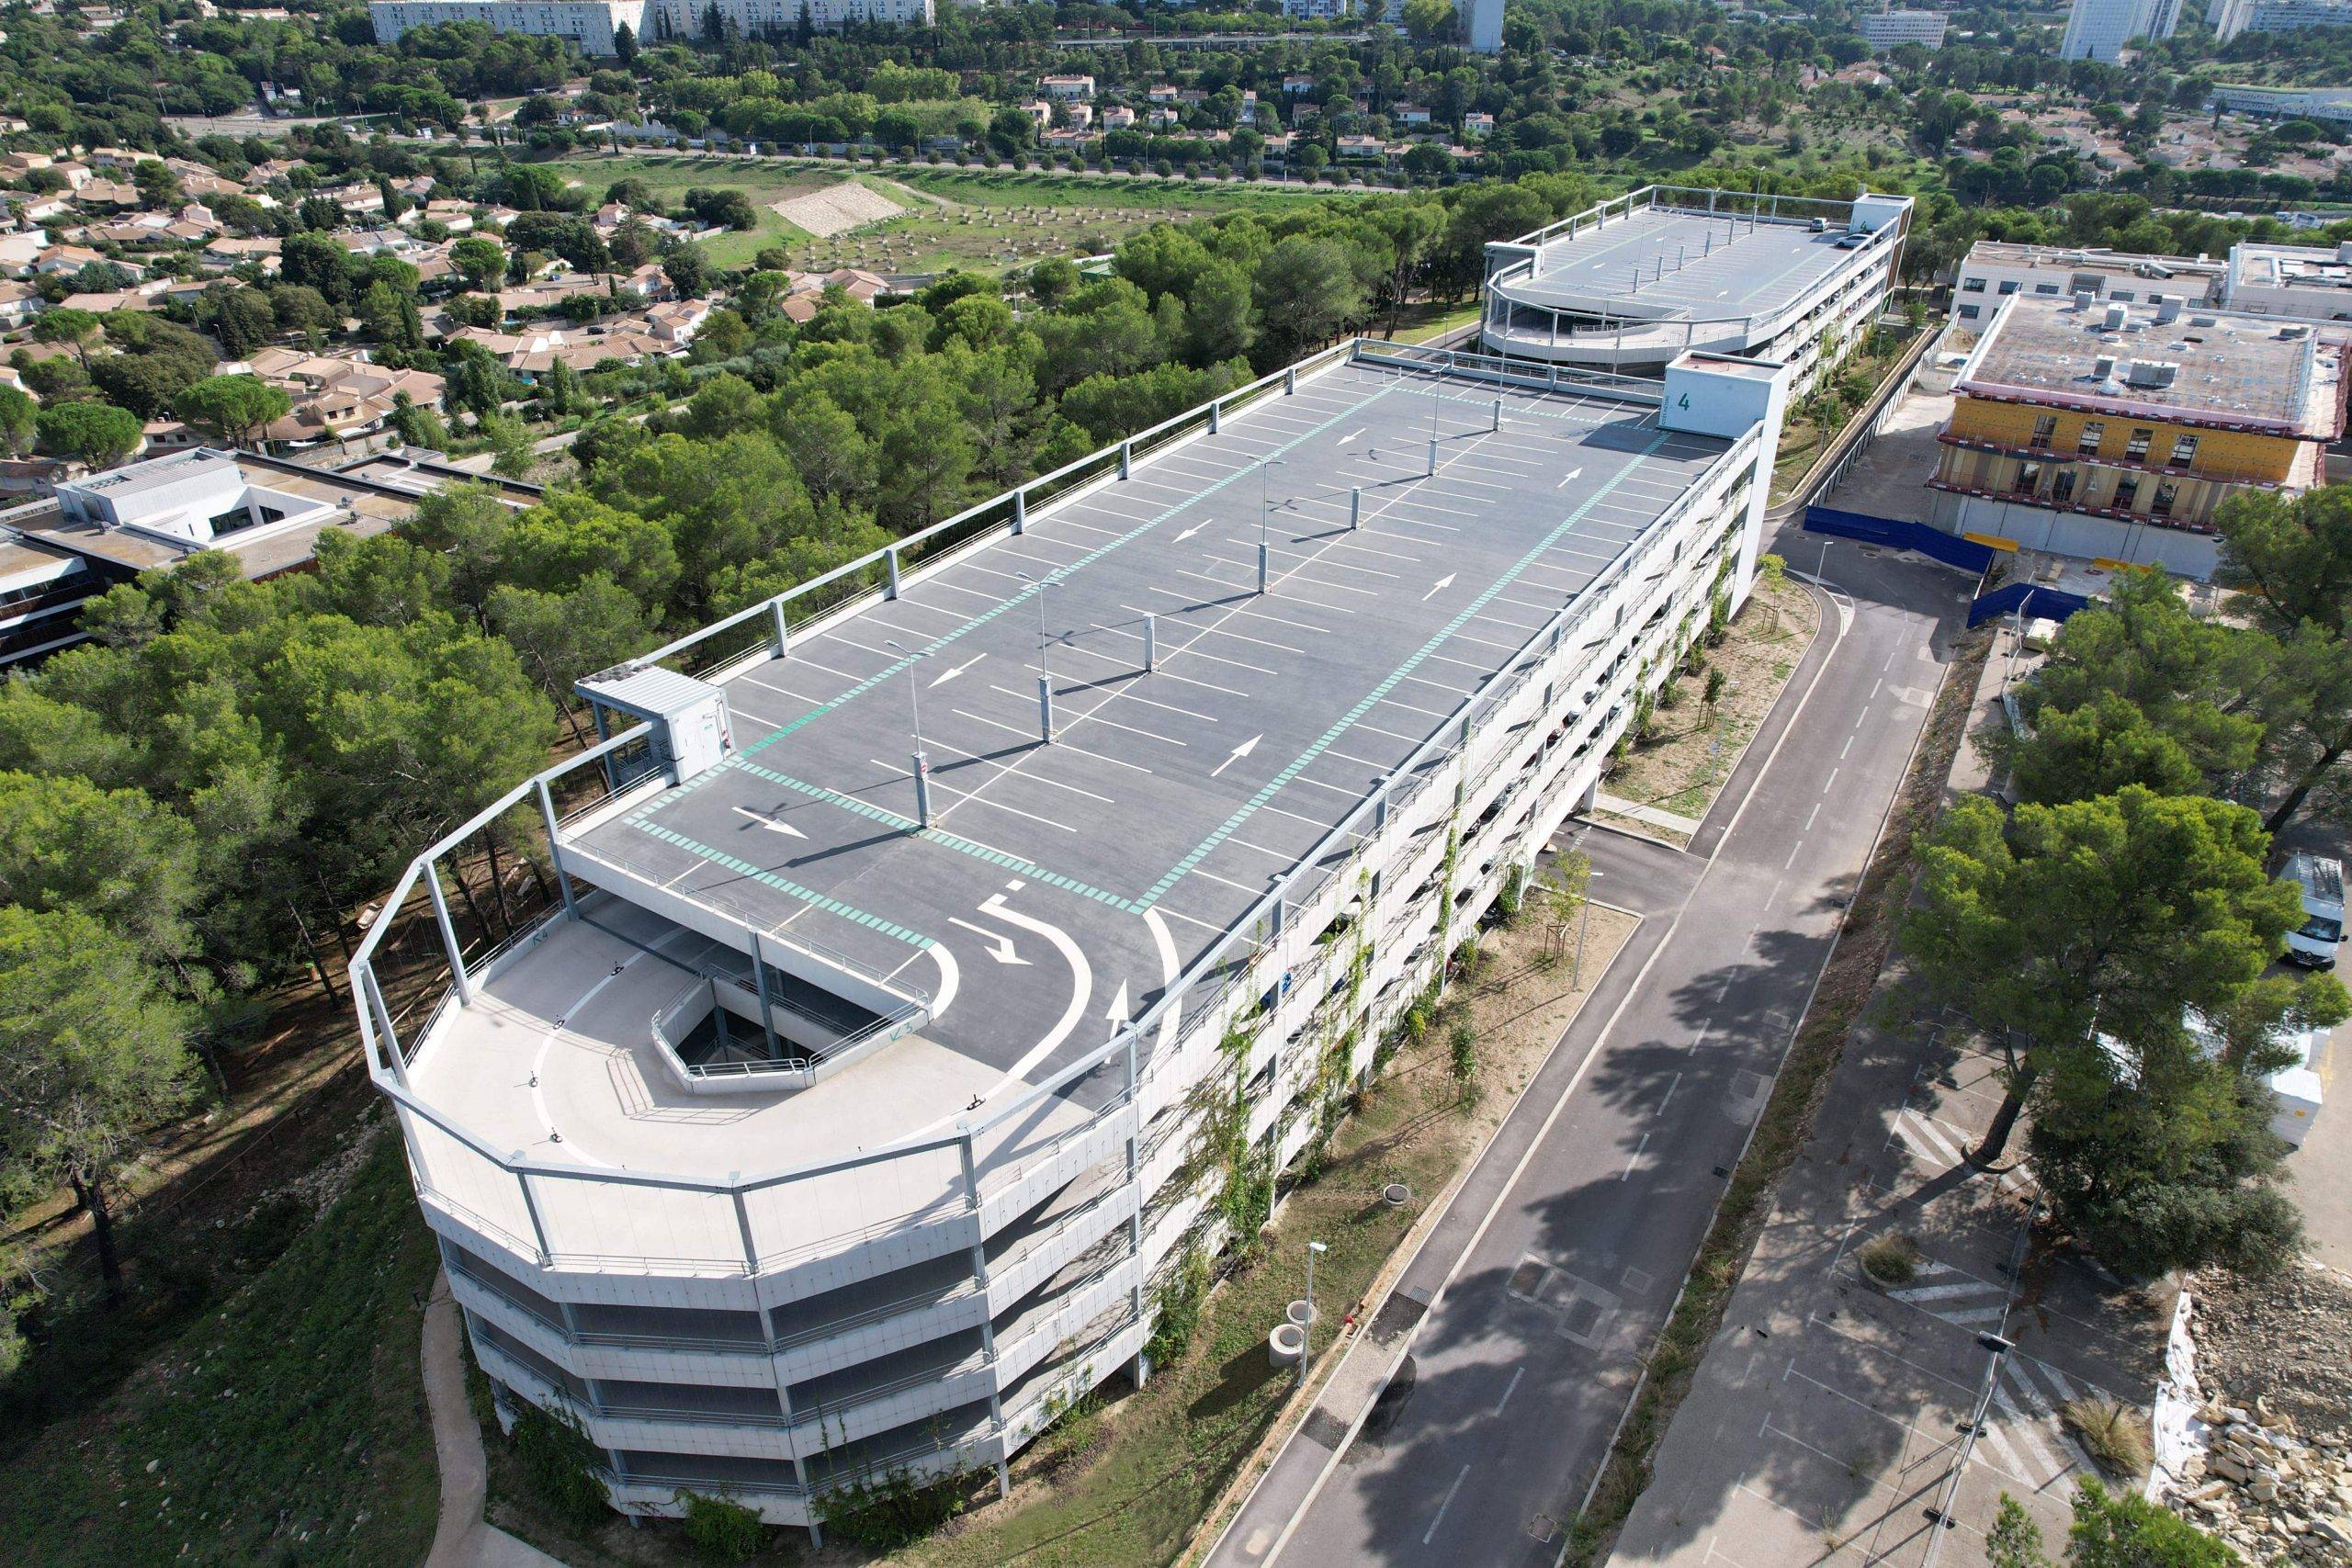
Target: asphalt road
[{"x": 1563, "y": 1253}]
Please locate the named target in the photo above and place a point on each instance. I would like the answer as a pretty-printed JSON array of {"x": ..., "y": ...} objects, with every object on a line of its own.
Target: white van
[{"x": 2321, "y": 880}]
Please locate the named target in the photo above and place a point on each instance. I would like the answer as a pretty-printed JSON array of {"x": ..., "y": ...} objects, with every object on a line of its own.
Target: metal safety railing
[{"x": 728, "y": 1225}]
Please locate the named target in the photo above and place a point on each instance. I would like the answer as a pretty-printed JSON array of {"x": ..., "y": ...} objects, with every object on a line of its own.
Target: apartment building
[
  {"x": 1884, "y": 29},
  {"x": 2098, "y": 30},
  {"x": 2232, "y": 17},
  {"x": 934, "y": 967},
  {"x": 2114, "y": 430},
  {"x": 591, "y": 23},
  {"x": 1629, "y": 283}
]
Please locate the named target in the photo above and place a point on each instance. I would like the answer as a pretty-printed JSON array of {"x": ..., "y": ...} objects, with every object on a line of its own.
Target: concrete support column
[
  {"x": 767, "y": 1006},
  {"x": 1021, "y": 511},
  {"x": 1126, "y": 458},
  {"x": 923, "y": 790},
  {"x": 1355, "y": 507},
  {"x": 744, "y": 1228},
  {"x": 1046, "y": 709},
  {"x": 449, "y": 934},
  {"x": 779, "y": 634},
  {"x": 1150, "y": 643},
  {"x": 1216, "y": 415},
  {"x": 890, "y": 563},
  {"x": 538, "y": 1226},
  {"x": 1290, "y": 380},
  {"x": 555, "y": 849}
]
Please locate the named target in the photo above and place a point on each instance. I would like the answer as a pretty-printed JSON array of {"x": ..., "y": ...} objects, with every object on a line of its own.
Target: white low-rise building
[{"x": 1994, "y": 270}]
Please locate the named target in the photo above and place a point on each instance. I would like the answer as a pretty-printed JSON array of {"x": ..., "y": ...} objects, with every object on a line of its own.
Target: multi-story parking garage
[
  {"x": 942, "y": 945},
  {"x": 1629, "y": 283}
]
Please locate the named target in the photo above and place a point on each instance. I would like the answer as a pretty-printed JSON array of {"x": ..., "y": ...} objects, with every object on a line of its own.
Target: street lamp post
[
  {"x": 1045, "y": 667},
  {"x": 1268, "y": 463},
  {"x": 1307, "y": 1330},
  {"x": 914, "y": 709}
]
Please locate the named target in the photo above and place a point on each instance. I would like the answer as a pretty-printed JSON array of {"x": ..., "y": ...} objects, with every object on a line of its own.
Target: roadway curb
[
  {"x": 1560, "y": 1104},
  {"x": 1796, "y": 1032},
  {"x": 1295, "y": 1413}
]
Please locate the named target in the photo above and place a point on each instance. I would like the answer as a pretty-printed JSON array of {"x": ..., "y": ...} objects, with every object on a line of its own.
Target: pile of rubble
[{"x": 2266, "y": 1489}]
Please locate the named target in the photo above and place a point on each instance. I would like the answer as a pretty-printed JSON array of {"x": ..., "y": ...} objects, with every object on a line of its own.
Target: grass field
[
  {"x": 979, "y": 220},
  {"x": 286, "y": 1425}
]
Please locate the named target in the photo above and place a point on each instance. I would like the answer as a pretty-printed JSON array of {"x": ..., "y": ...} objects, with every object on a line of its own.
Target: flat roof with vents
[{"x": 2231, "y": 371}]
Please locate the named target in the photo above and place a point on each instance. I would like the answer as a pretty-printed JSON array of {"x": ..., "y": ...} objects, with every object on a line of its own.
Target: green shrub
[
  {"x": 561, "y": 1464},
  {"x": 1463, "y": 1047},
  {"x": 895, "y": 1509},
  {"x": 721, "y": 1531},
  {"x": 1178, "y": 1303}
]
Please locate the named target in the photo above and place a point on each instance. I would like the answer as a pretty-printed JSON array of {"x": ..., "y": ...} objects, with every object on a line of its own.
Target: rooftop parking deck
[
  {"x": 1671, "y": 263},
  {"x": 1063, "y": 885}
]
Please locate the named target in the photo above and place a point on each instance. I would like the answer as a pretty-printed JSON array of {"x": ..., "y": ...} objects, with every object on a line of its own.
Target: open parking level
[{"x": 1206, "y": 736}]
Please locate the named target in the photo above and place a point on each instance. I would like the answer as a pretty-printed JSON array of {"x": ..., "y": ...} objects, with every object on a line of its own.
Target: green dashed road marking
[
  {"x": 1059, "y": 574},
  {"x": 1274, "y": 785},
  {"x": 641, "y": 819}
]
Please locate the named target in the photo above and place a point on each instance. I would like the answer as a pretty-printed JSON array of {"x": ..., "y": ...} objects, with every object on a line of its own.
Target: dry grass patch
[
  {"x": 2117, "y": 1436},
  {"x": 1891, "y": 1258}
]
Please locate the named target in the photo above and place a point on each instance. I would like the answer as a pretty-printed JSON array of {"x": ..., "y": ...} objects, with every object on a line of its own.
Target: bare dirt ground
[
  {"x": 837, "y": 209},
  {"x": 2280, "y": 1339},
  {"x": 1693, "y": 747}
]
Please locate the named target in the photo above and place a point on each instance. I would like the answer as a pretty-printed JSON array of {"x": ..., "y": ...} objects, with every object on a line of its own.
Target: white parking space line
[
  {"x": 785, "y": 690},
  {"x": 1227, "y": 882},
  {"x": 797, "y": 656},
  {"x": 963, "y": 797},
  {"x": 1006, "y": 768},
  {"x": 958, "y": 588}
]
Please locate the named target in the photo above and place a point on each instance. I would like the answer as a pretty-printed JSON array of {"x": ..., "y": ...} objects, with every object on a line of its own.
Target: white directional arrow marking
[
  {"x": 1001, "y": 949},
  {"x": 1443, "y": 583},
  {"x": 1350, "y": 435},
  {"x": 1244, "y": 748},
  {"x": 1190, "y": 532},
  {"x": 1572, "y": 473},
  {"x": 771, "y": 824},
  {"x": 949, "y": 674},
  {"x": 1118, "y": 1012}
]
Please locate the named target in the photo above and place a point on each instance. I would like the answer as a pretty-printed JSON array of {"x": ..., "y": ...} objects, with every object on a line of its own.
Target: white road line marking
[
  {"x": 1809, "y": 816},
  {"x": 1517, "y": 1374},
  {"x": 1672, "y": 1083},
  {"x": 1430, "y": 1533},
  {"x": 1634, "y": 1158}
]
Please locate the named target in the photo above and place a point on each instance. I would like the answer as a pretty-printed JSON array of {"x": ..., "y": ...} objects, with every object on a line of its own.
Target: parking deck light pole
[
  {"x": 1268, "y": 463},
  {"x": 1045, "y": 670},
  {"x": 914, "y": 708}
]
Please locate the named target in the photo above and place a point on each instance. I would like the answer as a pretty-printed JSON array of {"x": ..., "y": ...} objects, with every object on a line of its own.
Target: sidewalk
[
  {"x": 1829, "y": 1419},
  {"x": 464, "y": 1539}
]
